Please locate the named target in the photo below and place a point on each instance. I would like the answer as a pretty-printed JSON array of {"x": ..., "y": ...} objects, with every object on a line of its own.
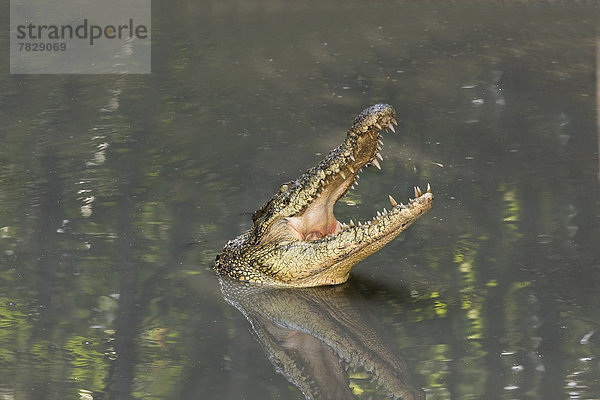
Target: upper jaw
[{"x": 337, "y": 173}]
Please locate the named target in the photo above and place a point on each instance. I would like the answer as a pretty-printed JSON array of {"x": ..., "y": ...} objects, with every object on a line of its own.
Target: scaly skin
[{"x": 296, "y": 240}]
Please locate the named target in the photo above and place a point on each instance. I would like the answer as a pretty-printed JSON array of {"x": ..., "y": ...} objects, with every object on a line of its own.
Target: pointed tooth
[
  {"x": 428, "y": 188},
  {"x": 380, "y": 142},
  {"x": 350, "y": 168},
  {"x": 342, "y": 174},
  {"x": 352, "y": 157},
  {"x": 392, "y": 128},
  {"x": 393, "y": 201},
  {"x": 359, "y": 223},
  {"x": 352, "y": 224},
  {"x": 419, "y": 191},
  {"x": 379, "y": 156},
  {"x": 378, "y": 213},
  {"x": 416, "y": 193},
  {"x": 352, "y": 187},
  {"x": 378, "y": 126},
  {"x": 394, "y": 121},
  {"x": 402, "y": 205},
  {"x": 376, "y": 163}
]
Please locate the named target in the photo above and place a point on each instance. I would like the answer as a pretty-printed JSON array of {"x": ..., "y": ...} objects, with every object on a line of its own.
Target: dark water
[{"x": 117, "y": 192}]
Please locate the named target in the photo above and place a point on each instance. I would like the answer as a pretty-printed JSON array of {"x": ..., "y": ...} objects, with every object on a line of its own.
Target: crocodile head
[{"x": 296, "y": 239}]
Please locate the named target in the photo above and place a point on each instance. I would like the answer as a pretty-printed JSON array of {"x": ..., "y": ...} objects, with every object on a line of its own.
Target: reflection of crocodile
[
  {"x": 323, "y": 340},
  {"x": 297, "y": 241}
]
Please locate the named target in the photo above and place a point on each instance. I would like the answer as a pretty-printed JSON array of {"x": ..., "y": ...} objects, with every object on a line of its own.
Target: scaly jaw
[{"x": 339, "y": 173}]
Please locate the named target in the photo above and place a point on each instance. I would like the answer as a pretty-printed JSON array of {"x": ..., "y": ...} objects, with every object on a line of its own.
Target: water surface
[{"x": 117, "y": 192}]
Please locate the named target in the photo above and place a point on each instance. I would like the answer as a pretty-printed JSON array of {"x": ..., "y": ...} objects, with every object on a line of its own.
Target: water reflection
[{"x": 324, "y": 340}]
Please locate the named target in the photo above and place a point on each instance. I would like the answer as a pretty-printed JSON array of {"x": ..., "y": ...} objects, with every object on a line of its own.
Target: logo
[{"x": 80, "y": 37}]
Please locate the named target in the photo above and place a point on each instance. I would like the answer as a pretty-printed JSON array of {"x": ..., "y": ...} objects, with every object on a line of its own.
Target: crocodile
[
  {"x": 296, "y": 241},
  {"x": 325, "y": 340}
]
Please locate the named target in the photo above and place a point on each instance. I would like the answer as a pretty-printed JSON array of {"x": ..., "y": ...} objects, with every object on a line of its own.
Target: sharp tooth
[
  {"x": 359, "y": 223},
  {"x": 428, "y": 188},
  {"x": 393, "y": 202},
  {"x": 378, "y": 214},
  {"x": 392, "y": 128},
  {"x": 379, "y": 156},
  {"x": 352, "y": 187},
  {"x": 352, "y": 157},
  {"x": 380, "y": 142},
  {"x": 419, "y": 191},
  {"x": 376, "y": 163},
  {"x": 350, "y": 168},
  {"x": 416, "y": 193},
  {"x": 402, "y": 205},
  {"x": 342, "y": 174},
  {"x": 378, "y": 126},
  {"x": 352, "y": 224},
  {"x": 394, "y": 121}
]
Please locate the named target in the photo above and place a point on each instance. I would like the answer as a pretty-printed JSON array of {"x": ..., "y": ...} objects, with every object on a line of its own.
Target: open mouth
[
  {"x": 339, "y": 172},
  {"x": 295, "y": 239}
]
